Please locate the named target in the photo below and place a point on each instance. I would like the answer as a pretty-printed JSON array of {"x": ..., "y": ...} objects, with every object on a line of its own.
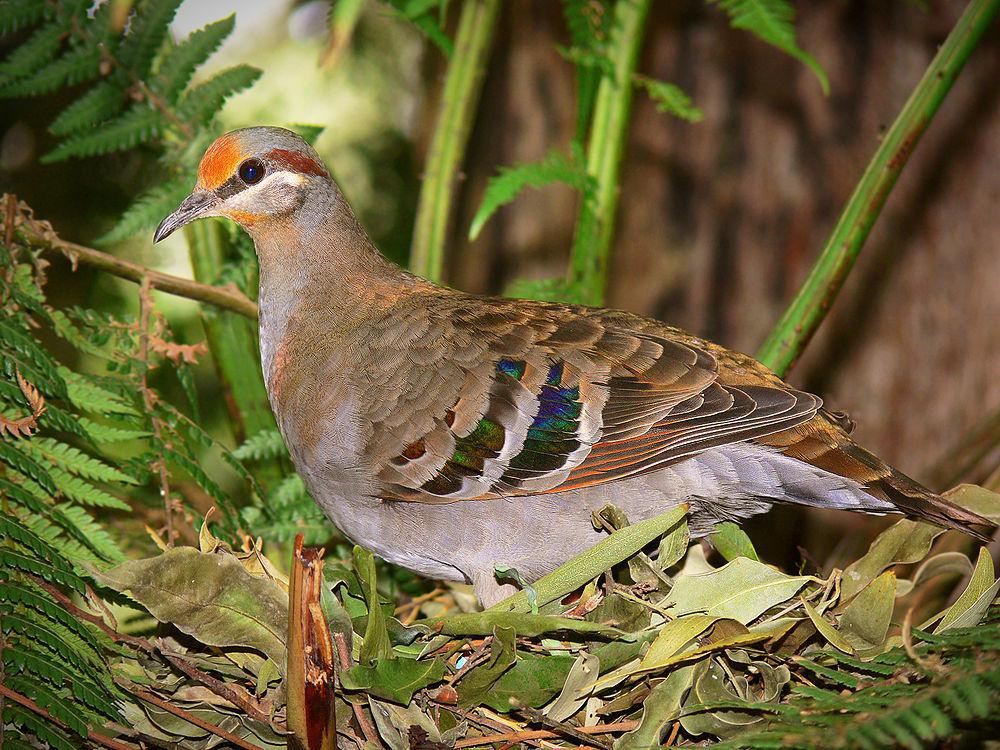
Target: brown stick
[
  {"x": 560, "y": 728},
  {"x": 180, "y": 712},
  {"x": 543, "y": 734},
  {"x": 228, "y": 297},
  {"x": 29, "y": 704}
]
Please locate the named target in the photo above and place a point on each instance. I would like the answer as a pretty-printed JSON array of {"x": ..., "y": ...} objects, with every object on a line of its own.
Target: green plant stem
[
  {"x": 233, "y": 343},
  {"x": 462, "y": 87},
  {"x": 814, "y": 299},
  {"x": 595, "y": 223}
]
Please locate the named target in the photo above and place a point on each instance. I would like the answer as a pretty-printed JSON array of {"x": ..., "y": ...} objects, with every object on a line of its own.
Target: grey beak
[{"x": 199, "y": 203}]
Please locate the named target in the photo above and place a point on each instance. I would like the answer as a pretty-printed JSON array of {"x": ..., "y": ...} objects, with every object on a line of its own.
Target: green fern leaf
[
  {"x": 18, "y": 14},
  {"x": 669, "y": 98},
  {"x": 202, "y": 102},
  {"x": 32, "y": 631},
  {"x": 147, "y": 210},
  {"x": 31, "y": 595},
  {"x": 54, "y": 737},
  {"x": 772, "y": 21},
  {"x": 97, "y": 538},
  {"x": 266, "y": 445},
  {"x": 76, "y": 66},
  {"x": 11, "y": 558},
  {"x": 86, "y": 395},
  {"x": 37, "y": 50},
  {"x": 180, "y": 63},
  {"x": 24, "y": 657},
  {"x": 27, "y": 466},
  {"x": 54, "y": 704},
  {"x": 83, "y": 492},
  {"x": 26, "y": 349},
  {"x": 105, "y": 433},
  {"x": 138, "y": 125},
  {"x": 149, "y": 26},
  {"x": 11, "y": 528},
  {"x": 103, "y": 101},
  {"x": 506, "y": 186},
  {"x": 76, "y": 461}
]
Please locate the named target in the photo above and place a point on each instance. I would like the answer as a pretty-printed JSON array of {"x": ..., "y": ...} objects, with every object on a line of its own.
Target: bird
[{"x": 452, "y": 433}]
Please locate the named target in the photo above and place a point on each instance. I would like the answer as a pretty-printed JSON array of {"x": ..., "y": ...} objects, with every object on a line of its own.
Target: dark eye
[{"x": 251, "y": 171}]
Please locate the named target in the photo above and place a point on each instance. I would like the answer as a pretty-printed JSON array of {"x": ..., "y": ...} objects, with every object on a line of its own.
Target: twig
[
  {"x": 217, "y": 686},
  {"x": 814, "y": 299},
  {"x": 462, "y": 86},
  {"x": 186, "y": 715},
  {"x": 359, "y": 713},
  {"x": 558, "y": 727},
  {"x": 544, "y": 734},
  {"x": 41, "y": 235},
  {"x": 93, "y": 736}
]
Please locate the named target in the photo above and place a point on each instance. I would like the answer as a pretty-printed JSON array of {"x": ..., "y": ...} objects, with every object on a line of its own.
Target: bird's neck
[{"x": 319, "y": 272}]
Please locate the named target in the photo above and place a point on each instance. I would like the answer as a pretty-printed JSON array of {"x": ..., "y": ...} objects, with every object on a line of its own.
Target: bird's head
[{"x": 251, "y": 176}]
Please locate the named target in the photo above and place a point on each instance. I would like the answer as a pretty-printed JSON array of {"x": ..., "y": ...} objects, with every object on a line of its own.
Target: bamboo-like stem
[
  {"x": 233, "y": 342},
  {"x": 814, "y": 299},
  {"x": 40, "y": 234},
  {"x": 462, "y": 87},
  {"x": 595, "y": 224}
]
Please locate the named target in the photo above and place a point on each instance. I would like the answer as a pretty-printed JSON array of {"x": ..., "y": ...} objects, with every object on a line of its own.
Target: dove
[{"x": 451, "y": 433}]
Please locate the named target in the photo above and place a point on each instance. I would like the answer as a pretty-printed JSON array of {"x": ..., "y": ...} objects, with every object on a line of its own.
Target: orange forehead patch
[{"x": 219, "y": 162}]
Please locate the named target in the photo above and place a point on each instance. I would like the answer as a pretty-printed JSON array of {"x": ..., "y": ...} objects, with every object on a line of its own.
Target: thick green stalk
[
  {"x": 232, "y": 340},
  {"x": 462, "y": 87},
  {"x": 595, "y": 224},
  {"x": 813, "y": 301}
]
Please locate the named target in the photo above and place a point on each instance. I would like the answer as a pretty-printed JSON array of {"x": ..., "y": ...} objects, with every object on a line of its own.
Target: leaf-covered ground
[{"x": 638, "y": 642}]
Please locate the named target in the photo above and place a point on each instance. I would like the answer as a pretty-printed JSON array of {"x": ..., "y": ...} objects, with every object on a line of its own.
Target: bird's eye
[{"x": 251, "y": 171}]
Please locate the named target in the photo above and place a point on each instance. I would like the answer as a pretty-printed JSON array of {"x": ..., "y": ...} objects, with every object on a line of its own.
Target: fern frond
[
  {"x": 76, "y": 66},
  {"x": 88, "y": 396},
  {"x": 27, "y": 466},
  {"x": 103, "y": 101},
  {"x": 149, "y": 26},
  {"x": 147, "y": 210},
  {"x": 505, "y": 187},
  {"x": 38, "y": 50},
  {"x": 25, "y": 349},
  {"x": 51, "y": 735},
  {"x": 772, "y": 21},
  {"x": 29, "y": 594},
  {"x": 56, "y": 705},
  {"x": 180, "y": 63},
  {"x": 669, "y": 98},
  {"x": 76, "y": 461},
  {"x": 105, "y": 433},
  {"x": 12, "y": 558},
  {"x": 201, "y": 103},
  {"x": 81, "y": 491},
  {"x": 138, "y": 125},
  {"x": 264, "y": 446},
  {"x": 18, "y": 14},
  {"x": 24, "y": 657}
]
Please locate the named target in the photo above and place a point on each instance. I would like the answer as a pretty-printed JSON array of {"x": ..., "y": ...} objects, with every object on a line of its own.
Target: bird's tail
[{"x": 824, "y": 443}]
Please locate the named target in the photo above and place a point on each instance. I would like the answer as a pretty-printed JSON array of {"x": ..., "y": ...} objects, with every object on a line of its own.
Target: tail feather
[{"x": 823, "y": 443}]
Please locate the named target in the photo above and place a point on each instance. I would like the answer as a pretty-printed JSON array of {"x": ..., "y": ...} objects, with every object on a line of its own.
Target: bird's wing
[{"x": 499, "y": 398}]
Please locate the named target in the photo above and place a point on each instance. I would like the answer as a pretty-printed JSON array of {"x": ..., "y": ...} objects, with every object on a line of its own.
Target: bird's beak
[{"x": 200, "y": 203}]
